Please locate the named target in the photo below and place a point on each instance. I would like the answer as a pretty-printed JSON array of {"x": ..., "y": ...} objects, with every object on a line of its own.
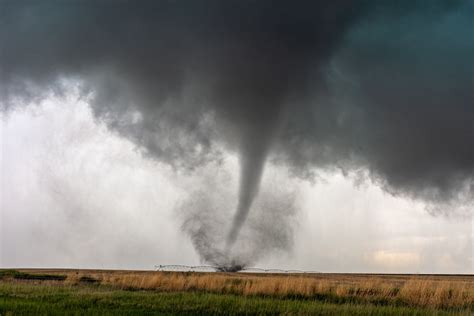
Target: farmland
[{"x": 136, "y": 292}]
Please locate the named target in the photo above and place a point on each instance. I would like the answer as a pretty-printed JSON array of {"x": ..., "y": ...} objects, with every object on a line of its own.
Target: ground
[{"x": 95, "y": 292}]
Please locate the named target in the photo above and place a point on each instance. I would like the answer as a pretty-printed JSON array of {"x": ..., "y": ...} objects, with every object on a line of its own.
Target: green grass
[{"x": 33, "y": 298}]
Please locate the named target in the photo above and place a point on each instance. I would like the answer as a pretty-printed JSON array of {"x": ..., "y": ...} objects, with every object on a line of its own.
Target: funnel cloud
[{"x": 379, "y": 88}]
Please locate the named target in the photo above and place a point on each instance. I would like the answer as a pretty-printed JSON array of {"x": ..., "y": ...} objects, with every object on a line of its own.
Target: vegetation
[
  {"x": 125, "y": 292},
  {"x": 5, "y": 274}
]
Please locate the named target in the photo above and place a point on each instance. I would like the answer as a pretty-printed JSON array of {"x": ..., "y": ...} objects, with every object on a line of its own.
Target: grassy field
[{"x": 47, "y": 292}]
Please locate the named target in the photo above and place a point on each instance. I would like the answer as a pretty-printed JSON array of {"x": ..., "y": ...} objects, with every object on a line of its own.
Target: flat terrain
[{"x": 41, "y": 291}]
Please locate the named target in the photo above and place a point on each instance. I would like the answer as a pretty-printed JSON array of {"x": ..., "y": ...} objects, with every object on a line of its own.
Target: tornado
[
  {"x": 252, "y": 163},
  {"x": 263, "y": 119}
]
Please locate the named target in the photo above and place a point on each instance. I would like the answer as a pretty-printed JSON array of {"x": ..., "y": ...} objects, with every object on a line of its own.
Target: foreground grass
[
  {"x": 434, "y": 292},
  {"x": 43, "y": 298}
]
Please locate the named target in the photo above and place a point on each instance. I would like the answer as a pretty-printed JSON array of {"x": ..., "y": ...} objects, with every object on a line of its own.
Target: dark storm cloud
[
  {"x": 401, "y": 104},
  {"x": 379, "y": 85}
]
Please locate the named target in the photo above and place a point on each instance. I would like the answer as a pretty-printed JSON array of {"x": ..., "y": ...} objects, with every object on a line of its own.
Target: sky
[
  {"x": 75, "y": 194},
  {"x": 320, "y": 135}
]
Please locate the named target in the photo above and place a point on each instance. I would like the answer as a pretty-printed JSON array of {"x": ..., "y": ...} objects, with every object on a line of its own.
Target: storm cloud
[{"x": 370, "y": 87}]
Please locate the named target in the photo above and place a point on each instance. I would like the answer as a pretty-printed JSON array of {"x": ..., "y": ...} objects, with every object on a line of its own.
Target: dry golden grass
[{"x": 419, "y": 291}]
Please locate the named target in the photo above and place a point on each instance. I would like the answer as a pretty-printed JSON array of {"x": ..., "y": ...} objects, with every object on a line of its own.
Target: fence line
[{"x": 209, "y": 268}]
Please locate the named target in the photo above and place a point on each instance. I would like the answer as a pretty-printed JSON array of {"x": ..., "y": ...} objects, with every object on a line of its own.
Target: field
[{"x": 38, "y": 292}]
